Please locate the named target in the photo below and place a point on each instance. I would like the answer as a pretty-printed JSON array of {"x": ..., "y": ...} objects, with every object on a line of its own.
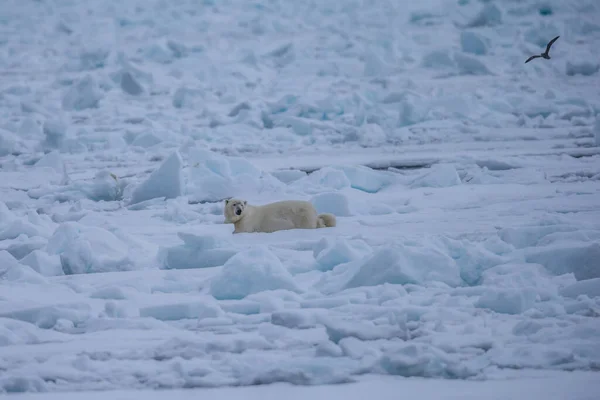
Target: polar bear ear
[
  {"x": 226, "y": 201},
  {"x": 245, "y": 202}
]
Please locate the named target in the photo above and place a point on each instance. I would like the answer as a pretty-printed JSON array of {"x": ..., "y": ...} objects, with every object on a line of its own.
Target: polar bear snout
[{"x": 238, "y": 208}]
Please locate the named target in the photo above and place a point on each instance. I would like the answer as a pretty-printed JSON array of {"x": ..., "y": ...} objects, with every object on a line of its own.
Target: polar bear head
[{"x": 234, "y": 210}]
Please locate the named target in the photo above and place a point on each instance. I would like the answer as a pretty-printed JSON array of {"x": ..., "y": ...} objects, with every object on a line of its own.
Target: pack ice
[{"x": 465, "y": 183}]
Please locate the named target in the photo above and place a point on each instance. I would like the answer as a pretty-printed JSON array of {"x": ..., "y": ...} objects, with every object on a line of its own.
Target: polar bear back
[{"x": 281, "y": 215}]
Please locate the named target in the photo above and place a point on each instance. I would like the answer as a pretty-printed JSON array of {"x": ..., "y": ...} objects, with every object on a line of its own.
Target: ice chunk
[
  {"x": 22, "y": 245},
  {"x": 508, "y": 301},
  {"x": 597, "y": 131},
  {"x": 138, "y": 74},
  {"x": 424, "y": 18},
  {"x": 159, "y": 52},
  {"x": 288, "y": 175},
  {"x": 21, "y": 384},
  {"x": 538, "y": 355},
  {"x": 85, "y": 249},
  {"x": 367, "y": 179},
  {"x": 240, "y": 166},
  {"x": 106, "y": 186},
  {"x": 585, "y": 68},
  {"x": 251, "y": 271},
  {"x": 283, "y": 54},
  {"x": 490, "y": 15},
  {"x": 438, "y": 59},
  {"x": 299, "y": 371},
  {"x": 197, "y": 252},
  {"x": 399, "y": 264},
  {"x": 214, "y": 177},
  {"x": 589, "y": 287},
  {"x": 178, "y": 49},
  {"x": 166, "y": 181},
  {"x": 12, "y": 270},
  {"x": 326, "y": 302},
  {"x": 338, "y": 330},
  {"x": 374, "y": 65},
  {"x": 357, "y": 349},
  {"x": 529, "y": 236},
  {"x": 6, "y": 216},
  {"x": 372, "y": 135},
  {"x": 468, "y": 65},
  {"x": 328, "y": 177},
  {"x": 43, "y": 263},
  {"x": 380, "y": 209},
  {"x": 130, "y": 85},
  {"x": 328, "y": 349},
  {"x": 110, "y": 293},
  {"x": 300, "y": 126},
  {"x": 520, "y": 275},
  {"x": 244, "y": 307},
  {"x": 30, "y": 128},
  {"x": 55, "y": 131},
  {"x": 471, "y": 42},
  {"x": 115, "y": 140},
  {"x": 15, "y": 332},
  {"x": 296, "y": 319},
  {"x": 10, "y": 143},
  {"x": 239, "y": 108},
  {"x": 332, "y": 202},
  {"x": 412, "y": 110},
  {"x": 180, "y": 96},
  {"x": 331, "y": 252},
  {"x": 83, "y": 94},
  {"x": 146, "y": 140},
  {"x": 47, "y": 316},
  {"x": 93, "y": 59},
  {"x": 17, "y": 228},
  {"x": 581, "y": 259},
  {"x": 178, "y": 210},
  {"x": 204, "y": 307},
  {"x": 215, "y": 163},
  {"x": 473, "y": 258},
  {"x": 12, "y": 227},
  {"x": 438, "y": 176},
  {"x": 267, "y": 301},
  {"x": 52, "y": 160},
  {"x": 423, "y": 360}
]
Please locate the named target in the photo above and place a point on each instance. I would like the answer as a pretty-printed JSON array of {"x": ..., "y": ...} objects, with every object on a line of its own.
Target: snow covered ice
[{"x": 466, "y": 185}]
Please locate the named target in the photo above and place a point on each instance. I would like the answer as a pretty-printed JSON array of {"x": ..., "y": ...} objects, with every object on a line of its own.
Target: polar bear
[{"x": 278, "y": 216}]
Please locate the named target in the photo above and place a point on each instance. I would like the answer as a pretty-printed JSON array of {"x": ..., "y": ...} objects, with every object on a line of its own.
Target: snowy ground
[{"x": 466, "y": 186}]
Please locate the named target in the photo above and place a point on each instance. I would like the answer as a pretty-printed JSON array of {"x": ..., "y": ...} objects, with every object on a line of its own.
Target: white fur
[{"x": 278, "y": 216}]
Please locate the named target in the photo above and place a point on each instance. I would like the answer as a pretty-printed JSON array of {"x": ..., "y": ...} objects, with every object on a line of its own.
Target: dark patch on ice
[{"x": 545, "y": 11}]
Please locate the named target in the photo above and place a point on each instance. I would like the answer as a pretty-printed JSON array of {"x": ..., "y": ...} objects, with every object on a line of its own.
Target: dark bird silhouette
[{"x": 544, "y": 54}]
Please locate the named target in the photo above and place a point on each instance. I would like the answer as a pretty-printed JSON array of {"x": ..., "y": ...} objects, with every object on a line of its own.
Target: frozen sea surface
[
  {"x": 576, "y": 386},
  {"x": 466, "y": 186}
]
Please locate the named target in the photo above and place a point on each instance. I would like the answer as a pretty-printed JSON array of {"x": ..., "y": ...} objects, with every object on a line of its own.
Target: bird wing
[
  {"x": 531, "y": 58},
  {"x": 550, "y": 44}
]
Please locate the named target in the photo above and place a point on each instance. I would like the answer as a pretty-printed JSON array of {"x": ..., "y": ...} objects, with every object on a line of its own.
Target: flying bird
[{"x": 544, "y": 54}]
